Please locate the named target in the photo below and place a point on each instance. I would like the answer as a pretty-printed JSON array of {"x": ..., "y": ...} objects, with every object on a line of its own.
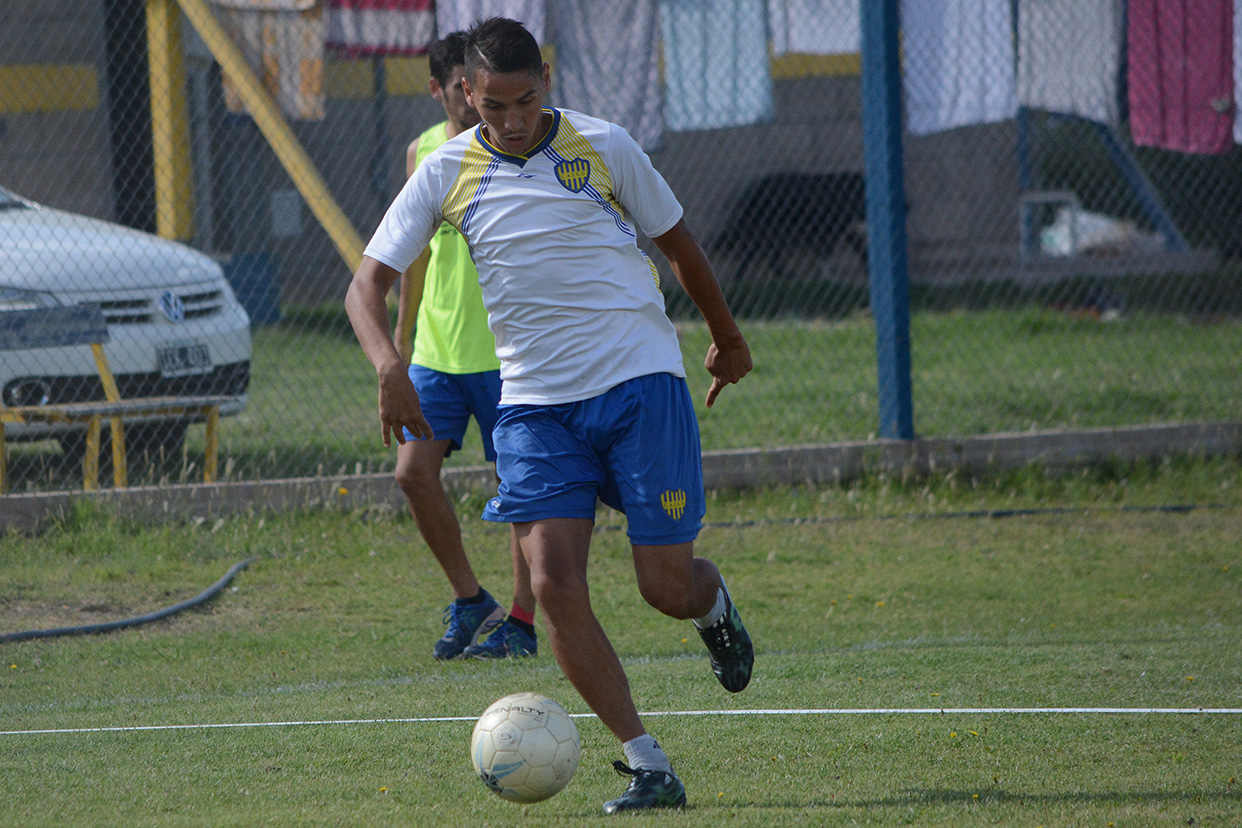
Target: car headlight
[{"x": 15, "y": 298}]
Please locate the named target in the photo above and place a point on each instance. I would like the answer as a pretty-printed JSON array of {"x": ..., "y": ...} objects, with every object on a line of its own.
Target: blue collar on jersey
[{"x": 521, "y": 160}]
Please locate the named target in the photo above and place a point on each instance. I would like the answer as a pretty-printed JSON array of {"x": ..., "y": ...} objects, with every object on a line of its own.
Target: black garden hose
[{"x": 91, "y": 629}]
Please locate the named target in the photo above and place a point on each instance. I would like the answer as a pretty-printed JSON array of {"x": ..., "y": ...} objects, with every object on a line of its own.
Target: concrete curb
[{"x": 742, "y": 468}]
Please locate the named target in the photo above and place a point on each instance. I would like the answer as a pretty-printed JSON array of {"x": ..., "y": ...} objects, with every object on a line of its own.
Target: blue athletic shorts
[
  {"x": 635, "y": 447},
  {"x": 449, "y": 401}
]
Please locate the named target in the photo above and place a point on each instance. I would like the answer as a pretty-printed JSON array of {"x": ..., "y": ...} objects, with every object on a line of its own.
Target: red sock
[{"x": 520, "y": 614}]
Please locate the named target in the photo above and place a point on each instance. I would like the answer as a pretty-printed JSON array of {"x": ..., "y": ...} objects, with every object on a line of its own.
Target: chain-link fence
[{"x": 1072, "y": 191}]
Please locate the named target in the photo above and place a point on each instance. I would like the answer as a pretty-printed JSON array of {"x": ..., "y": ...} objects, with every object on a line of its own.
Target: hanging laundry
[
  {"x": 1069, "y": 57},
  {"x": 959, "y": 63},
  {"x": 459, "y": 15},
  {"x": 1180, "y": 66},
  {"x": 716, "y": 67},
  {"x": 1237, "y": 71},
  {"x": 607, "y": 64},
  {"x": 267, "y": 5},
  {"x": 283, "y": 42},
  {"x": 357, "y": 28},
  {"x": 815, "y": 27}
]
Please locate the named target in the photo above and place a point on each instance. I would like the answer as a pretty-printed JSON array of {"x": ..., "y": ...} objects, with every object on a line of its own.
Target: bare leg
[
  {"x": 523, "y": 595},
  {"x": 675, "y": 582},
  {"x": 418, "y": 474},
  {"x": 678, "y": 584},
  {"x": 556, "y": 551}
]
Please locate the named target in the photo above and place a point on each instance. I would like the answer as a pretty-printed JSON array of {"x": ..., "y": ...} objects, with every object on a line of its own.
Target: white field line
[{"x": 876, "y": 711}]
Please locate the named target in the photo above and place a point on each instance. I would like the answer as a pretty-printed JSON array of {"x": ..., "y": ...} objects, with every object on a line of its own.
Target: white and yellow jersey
[{"x": 574, "y": 304}]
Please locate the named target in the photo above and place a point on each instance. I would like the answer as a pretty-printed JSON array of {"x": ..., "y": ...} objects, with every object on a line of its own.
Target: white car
[{"x": 175, "y": 326}]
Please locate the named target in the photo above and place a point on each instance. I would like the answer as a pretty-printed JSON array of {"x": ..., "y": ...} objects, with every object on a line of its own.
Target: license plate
[{"x": 184, "y": 359}]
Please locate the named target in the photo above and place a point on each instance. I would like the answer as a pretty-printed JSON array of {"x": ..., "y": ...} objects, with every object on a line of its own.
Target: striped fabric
[{"x": 283, "y": 43}]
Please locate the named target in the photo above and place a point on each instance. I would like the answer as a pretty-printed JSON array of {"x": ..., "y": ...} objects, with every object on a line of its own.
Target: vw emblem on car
[{"x": 172, "y": 306}]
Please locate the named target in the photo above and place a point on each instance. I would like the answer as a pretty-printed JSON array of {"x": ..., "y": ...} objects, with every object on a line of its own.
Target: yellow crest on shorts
[
  {"x": 674, "y": 502},
  {"x": 573, "y": 174}
]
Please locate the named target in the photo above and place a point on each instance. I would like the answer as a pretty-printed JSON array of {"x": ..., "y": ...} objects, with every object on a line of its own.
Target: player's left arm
[
  {"x": 410, "y": 297},
  {"x": 728, "y": 357}
]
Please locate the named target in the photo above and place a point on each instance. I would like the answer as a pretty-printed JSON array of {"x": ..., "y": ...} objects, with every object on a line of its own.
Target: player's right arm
[
  {"x": 368, "y": 313},
  {"x": 412, "y": 282},
  {"x": 405, "y": 230}
]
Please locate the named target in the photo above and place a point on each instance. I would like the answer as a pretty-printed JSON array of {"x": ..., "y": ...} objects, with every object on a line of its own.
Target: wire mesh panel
[
  {"x": 1064, "y": 246},
  {"x": 207, "y": 171}
]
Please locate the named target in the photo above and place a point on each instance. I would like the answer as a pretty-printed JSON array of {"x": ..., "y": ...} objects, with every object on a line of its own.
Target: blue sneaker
[
  {"x": 647, "y": 789},
  {"x": 728, "y": 645},
  {"x": 467, "y": 623},
  {"x": 506, "y": 641}
]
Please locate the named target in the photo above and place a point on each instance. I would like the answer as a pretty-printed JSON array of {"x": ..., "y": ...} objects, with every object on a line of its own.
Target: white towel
[
  {"x": 607, "y": 64},
  {"x": 459, "y": 15},
  {"x": 959, "y": 67},
  {"x": 1237, "y": 71},
  {"x": 1069, "y": 57},
  {"x": 815, "y": 27},
  {"x": 716, "y": 68},
  {"x": 380, "y": 27}
]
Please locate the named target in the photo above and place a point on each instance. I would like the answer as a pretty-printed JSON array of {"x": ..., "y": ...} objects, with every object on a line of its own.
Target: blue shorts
[
  {"x": 635, "y": 447},
  {"x": 449, "y": 400}
]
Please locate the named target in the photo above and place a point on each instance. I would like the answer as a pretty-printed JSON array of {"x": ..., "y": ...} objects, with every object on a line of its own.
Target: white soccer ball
[{"x": 525, "y": 747}]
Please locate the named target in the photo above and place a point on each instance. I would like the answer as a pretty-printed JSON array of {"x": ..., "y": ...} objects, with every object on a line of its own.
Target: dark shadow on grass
[
  {"x": 942, "y": 796},
  {"x": 911, "y": 797}
]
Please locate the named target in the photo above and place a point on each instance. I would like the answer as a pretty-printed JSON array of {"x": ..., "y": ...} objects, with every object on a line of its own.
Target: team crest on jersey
[
  {"x": 573, "y": 174},
  {"x": 674, "y": 502}
]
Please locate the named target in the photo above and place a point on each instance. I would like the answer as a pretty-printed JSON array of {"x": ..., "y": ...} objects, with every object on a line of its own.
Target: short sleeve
[
  {"x": 410, "y": 222},
  {"x": 639, "y": 187}
]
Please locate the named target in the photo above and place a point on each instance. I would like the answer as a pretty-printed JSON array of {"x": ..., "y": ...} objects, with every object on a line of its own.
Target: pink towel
[
  {"x": 1181, "y": 74},
  {"x": 380, "y": 27}
]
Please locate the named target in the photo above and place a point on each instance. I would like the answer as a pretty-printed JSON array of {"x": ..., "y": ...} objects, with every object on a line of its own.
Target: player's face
[
  {"x": 458, "y": 110},
  {"x": 511, "y": 106}
]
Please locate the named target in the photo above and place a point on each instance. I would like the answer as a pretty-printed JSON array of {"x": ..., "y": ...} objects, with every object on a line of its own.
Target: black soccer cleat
[
  {"x": 728, "y": 645},
  {"x": 647, "y": 789}
]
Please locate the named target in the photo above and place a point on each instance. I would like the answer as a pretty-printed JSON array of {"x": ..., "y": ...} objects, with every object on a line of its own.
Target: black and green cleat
[
  {"x": 647, "y": 789},
  {"x": 728, "y": 645}
]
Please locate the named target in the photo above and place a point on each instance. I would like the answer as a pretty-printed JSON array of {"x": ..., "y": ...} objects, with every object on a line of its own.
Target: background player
[{"x": 453, "y": 366}]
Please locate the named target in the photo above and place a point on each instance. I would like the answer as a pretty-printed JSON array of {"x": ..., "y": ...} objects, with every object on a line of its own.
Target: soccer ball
[{"x": 525, "y": 747}]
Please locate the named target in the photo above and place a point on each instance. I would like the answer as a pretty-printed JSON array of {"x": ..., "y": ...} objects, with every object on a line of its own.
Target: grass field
[
  {"x": 879, "y": 595},
  {"x": 312, "y": 397}
]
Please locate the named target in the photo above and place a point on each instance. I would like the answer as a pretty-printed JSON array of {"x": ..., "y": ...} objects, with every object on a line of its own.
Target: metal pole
[
  {"x": 170, "y": 131},
  {"x": 886, "y": 214}
]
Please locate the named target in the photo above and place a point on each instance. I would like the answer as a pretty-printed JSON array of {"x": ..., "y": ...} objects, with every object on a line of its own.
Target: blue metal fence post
[{"x": 886, "y": 214}]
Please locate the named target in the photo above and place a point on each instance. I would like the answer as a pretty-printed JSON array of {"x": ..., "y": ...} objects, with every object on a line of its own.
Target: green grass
[
  {"x": 881, "y": 594},
  {"x": 312, "y": 398}
]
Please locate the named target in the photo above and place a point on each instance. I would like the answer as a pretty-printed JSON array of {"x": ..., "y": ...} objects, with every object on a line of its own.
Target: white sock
[
  {"x": 714, "y": 614},
  {"x": 644, "y": 753}
]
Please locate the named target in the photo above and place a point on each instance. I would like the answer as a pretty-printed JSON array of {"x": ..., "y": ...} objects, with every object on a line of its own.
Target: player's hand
[
  {"x": 727, "y": 363},
  {"x": 399, "y": 408}
]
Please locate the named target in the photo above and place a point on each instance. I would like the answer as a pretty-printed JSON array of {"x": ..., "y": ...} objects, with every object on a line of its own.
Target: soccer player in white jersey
[{"x": 594, "y": 404}]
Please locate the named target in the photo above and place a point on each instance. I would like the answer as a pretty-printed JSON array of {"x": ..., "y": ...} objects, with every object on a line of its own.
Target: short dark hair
[
  {"x": 501, "y": 45},
  {"x": 444, "y": 54}
]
